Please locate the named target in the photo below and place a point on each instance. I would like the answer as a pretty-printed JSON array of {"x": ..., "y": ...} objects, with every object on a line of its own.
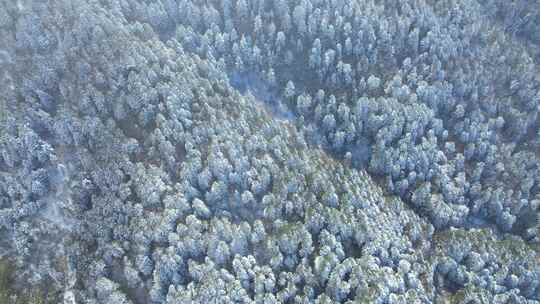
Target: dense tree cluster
[
  {"x": 445, "y": 105},
  {"x": 288, "y": 151}
]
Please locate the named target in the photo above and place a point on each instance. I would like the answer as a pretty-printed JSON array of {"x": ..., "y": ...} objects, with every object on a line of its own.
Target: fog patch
[
  {"x": 361, "y": 152},
  {"x": 253, "y": 83},
  {"x": 59, "y": 200}
]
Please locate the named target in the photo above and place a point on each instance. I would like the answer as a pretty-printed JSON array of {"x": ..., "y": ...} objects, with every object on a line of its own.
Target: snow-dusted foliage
[{"x": 287, "y": 151}]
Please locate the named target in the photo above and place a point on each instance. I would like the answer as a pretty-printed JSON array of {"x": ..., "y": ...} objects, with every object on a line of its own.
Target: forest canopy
[{"x": 258, "y": 151}]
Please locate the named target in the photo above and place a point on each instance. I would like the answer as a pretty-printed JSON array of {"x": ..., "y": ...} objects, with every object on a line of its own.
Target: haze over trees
[{"x": 252, "y": 151}]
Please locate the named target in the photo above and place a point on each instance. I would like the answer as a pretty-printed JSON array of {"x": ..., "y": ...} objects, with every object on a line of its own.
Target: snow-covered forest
[{"x": 269, "y": 151}]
